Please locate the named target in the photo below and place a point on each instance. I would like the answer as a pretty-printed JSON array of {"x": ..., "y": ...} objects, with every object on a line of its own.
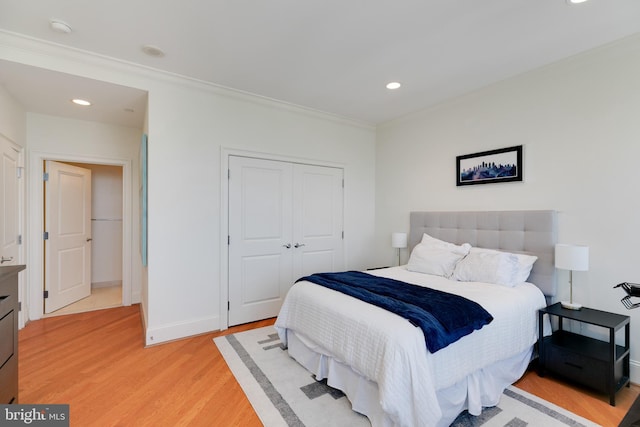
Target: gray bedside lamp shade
[{"x": 572, "y": 258}]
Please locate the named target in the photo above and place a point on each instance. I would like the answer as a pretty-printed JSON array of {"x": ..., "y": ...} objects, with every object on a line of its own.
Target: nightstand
[{"x": 601, "y": 365}]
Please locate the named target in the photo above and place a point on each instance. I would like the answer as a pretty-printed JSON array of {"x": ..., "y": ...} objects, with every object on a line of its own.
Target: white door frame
[
  {"x": 35, "y": 259},
  {"x": 224, "y": 214}
]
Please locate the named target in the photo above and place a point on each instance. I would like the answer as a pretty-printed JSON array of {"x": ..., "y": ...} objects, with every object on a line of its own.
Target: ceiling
[{"x": 334, "y": 56}]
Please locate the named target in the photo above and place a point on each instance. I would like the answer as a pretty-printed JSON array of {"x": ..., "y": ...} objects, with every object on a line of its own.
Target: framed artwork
[
  {"x": 486, "y": 167},
  {"x": 143, "y": 198}
]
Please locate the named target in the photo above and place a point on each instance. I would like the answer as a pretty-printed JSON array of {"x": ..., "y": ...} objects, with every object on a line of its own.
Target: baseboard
[
  {"x": 174, "y": 331},
  {"x": 634, "y": 371},
  {"x": 108, "y": 284}
]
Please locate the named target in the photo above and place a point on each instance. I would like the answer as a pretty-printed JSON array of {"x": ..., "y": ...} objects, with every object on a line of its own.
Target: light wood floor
[{"x": 96, "y": 363}]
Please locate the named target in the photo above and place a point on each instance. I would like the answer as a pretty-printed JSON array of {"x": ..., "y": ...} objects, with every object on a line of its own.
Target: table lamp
[
  {"x": 399, "y": 241},
  {"x": 572, "y": 258}
]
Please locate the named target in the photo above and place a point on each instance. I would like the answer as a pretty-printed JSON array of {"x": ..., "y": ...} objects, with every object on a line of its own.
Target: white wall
[
  {"x": 188, "y": 124},
  {"x": 106, "y": 224},
  {"x": 12, "y": 118},
  {"x": 188, "y": 128},
  {"x": 579, "y": 123}
]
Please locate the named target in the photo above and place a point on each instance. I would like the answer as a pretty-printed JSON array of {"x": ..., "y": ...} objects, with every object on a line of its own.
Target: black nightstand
[{"x": 598, "y": 364}]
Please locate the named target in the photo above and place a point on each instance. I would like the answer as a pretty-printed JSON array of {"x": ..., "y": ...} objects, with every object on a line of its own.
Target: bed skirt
[{"x": 482, "y": 388}]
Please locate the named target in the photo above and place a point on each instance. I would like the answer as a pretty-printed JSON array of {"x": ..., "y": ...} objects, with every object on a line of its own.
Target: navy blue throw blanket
[{"x": 443, "y": 317}]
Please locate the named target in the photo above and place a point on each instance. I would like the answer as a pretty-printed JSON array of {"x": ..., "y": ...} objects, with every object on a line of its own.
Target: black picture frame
[{"x": 488, "y": 167}]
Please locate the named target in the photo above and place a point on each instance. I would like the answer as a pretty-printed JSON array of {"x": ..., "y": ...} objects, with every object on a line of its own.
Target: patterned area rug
[{"x": 283, "y": 393}]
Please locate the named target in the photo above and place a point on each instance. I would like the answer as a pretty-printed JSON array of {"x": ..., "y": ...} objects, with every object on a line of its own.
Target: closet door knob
[
  {"x": 288, "y": 246},
  {"x": 298, "y": 245}
]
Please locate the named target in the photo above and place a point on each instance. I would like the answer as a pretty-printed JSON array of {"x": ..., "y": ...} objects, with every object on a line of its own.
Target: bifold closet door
[{"x": 285, "y": 221}]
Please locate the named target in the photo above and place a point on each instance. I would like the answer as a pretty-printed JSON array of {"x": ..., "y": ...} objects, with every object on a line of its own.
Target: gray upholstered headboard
[{"x": 532, "y": 232}]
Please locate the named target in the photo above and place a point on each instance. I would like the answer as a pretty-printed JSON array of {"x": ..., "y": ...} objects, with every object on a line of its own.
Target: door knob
[
  {"x": 3, "y": 259},
  {"x": 298, "y": 245},
  {"x": 288, "y": 246},
  {"x": 89, "y": 239}
]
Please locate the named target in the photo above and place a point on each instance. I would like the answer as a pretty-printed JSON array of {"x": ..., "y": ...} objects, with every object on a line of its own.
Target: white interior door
[
  {"x": 285, "y": 221},
  {"x": 9, "y": 203},
  {"x": 259, "y": 237},
  {"x": 317, "y": 220},
  {"x": 68, "y": 225}
]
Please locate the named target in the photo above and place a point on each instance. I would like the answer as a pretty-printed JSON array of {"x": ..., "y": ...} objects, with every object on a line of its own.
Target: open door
[{"x": 67, "y": 235}]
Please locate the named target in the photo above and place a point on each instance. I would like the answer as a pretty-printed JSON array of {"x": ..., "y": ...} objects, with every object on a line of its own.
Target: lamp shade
[
  {"x": 572, "y": 257},
  {"x": 399, "y": 240}
]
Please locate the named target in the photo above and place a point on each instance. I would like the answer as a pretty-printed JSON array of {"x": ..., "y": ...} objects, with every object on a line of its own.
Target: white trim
[
  {"x": 225, "y": 153},
  {"x": 178, "y": 330},
  {"x": 18, "y": 47},
  {"x": 35, "y": 225},
  {"x": 634, "y": 371}
]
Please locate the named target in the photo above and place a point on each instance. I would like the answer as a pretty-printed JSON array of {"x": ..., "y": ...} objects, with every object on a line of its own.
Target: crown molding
[{"x": 27, "y": 50}]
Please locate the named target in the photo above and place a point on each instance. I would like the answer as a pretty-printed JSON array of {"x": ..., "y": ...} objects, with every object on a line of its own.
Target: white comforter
[{"x": 388, "y": 350}]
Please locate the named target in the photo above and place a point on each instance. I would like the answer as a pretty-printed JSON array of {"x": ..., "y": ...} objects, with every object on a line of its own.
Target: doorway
[
  {"x": 36, "y": 253},
  {"x": 104, "y": 216}
]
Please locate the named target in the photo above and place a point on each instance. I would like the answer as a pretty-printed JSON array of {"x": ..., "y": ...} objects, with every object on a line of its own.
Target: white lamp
[
  {"x": 572, "y": 258},
  {"x": 399, "y": 241}
]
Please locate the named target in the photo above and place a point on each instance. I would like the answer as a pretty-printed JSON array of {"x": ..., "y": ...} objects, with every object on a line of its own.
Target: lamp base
[{"x": 571, "y": 305}]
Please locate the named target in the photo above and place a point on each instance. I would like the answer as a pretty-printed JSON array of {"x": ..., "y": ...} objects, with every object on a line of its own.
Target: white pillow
[
  {"x": 494, "y": 267},
  {"x": 488, "y": 266},
  {"x": 525, "y": 264},
  {"x": 433, "y": 242},
  {"x": 433, "y": 256}
]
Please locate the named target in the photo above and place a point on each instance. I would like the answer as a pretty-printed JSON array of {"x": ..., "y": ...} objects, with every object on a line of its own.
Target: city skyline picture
[{"x": 502, "y": 165}]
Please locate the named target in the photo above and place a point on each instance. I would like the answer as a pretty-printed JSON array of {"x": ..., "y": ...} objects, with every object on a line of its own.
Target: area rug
[{"x": 283, "y": 393}]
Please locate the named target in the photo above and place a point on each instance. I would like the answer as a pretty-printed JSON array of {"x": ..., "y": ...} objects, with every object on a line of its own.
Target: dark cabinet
[
  {"x": 601, "y": 365},
  {"x": 9, "y": 333}
]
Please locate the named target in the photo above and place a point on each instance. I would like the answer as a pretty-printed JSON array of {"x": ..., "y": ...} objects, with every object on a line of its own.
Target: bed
[{"x": 380, "y": 360}]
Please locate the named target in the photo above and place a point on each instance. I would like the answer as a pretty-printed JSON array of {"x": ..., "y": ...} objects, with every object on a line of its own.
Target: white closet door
[
  {"x": 285, "y": 222},
  {"x": 317, "y": 220},
  {"x": 260, "y": 253}
]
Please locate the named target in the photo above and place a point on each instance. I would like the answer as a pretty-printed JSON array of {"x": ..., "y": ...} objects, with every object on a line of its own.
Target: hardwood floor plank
[
  {"x": 96, "y": 362},
  {"x": 582, "y": 401}
]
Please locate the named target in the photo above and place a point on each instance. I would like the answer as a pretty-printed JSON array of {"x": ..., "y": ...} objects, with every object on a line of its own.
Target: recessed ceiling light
[
  {"x": 393, "y": 85},
  {"x": 154, "y": 51},
  {"x": 82, "y": 102},
  {"x": 59, "y": 27},
  {"x": 575, "y": 1}
]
